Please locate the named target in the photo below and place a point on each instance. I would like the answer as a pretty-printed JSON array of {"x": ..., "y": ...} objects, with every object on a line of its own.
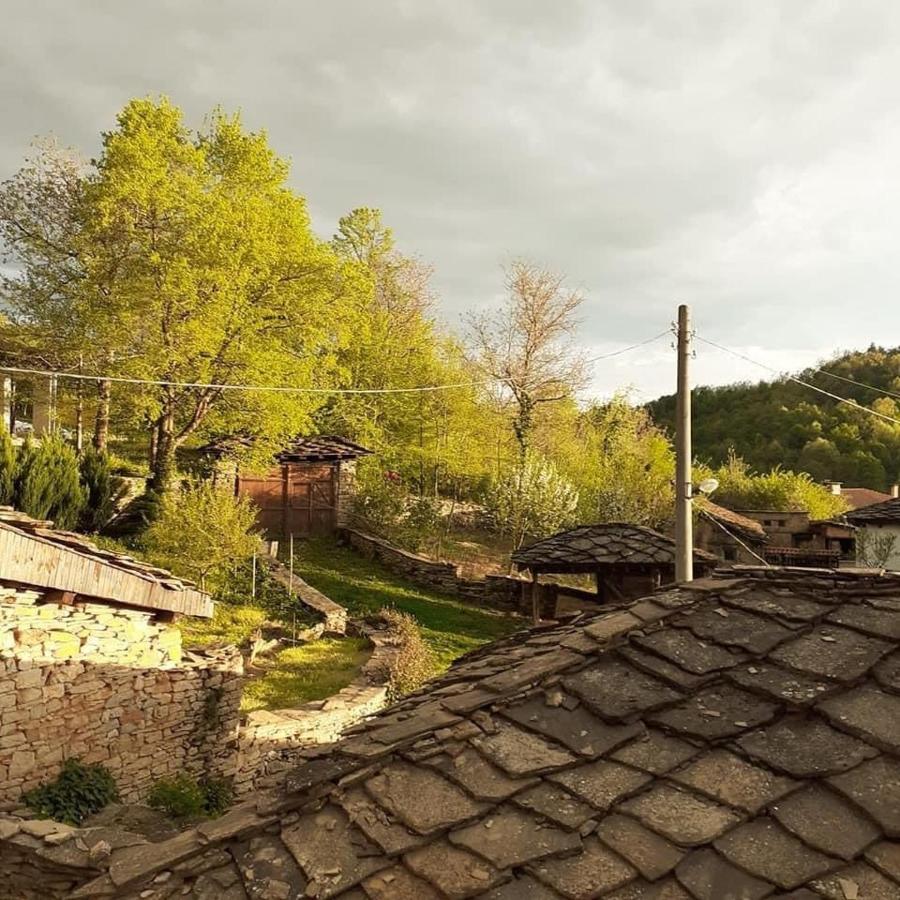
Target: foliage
[
  {"x": 783, "y": 423},
  {"x": 203, "y": 532},
  {"x": 7, "y": 468},
  {"x": 78, "y": 791},
  {"x": 183, "y": 797},
  {"x": 779, "y": 489},
  {"x": 533, "y": 500},
  {"x": 48, "y": 482},
  {"x": 104, "y": 490},
  {"x": 873, "y": 549},
  {"x": 414, "y": 663}
]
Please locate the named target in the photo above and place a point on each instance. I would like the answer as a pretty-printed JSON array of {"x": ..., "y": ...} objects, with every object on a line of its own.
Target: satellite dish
[{"x": 708, "y": 485}]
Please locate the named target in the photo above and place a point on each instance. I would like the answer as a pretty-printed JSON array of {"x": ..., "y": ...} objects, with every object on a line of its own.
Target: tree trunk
[
  {"x": 101, "y": 422},
  {"x": 163, "y": 470}
]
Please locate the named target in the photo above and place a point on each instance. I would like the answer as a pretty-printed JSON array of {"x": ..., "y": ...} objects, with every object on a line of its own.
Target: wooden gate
[{"x": 295, "y": 499}]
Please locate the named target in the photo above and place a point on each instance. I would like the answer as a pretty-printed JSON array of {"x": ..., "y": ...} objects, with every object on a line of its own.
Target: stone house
[
  {"x": 734, "y": 737},
  {"x": 881, "y": 522},
  {"x": 730, "y": 536},
  {"x": 309, "y": 491},
  {"x": 91, "y": 666}
]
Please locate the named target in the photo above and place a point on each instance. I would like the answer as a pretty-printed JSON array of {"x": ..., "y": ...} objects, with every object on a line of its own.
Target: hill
[{"x": 783, "y": 423}]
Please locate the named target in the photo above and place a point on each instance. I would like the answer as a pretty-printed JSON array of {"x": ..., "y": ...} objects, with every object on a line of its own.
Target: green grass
[
  {"x": 312, "y": 671},
  {"x": 229, "y": 625},
  {"x": 363, "y": 586}
]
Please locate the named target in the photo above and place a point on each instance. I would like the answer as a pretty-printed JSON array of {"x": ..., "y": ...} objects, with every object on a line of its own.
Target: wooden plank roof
[{"x": 33, "y": 553}]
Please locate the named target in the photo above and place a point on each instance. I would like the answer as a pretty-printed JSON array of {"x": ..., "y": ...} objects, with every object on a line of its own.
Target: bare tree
[{"x": 527, "y": 345}]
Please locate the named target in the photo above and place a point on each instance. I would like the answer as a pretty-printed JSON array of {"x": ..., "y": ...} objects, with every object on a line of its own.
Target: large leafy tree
[{"x": 195, "y": 263}]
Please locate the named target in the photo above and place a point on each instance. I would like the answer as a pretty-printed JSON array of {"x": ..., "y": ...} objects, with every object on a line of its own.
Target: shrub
[
  {"x": 380, "y": 498},
  {"x": 414, "y": 663},
  {"x": 533, "y": 500},
  {"x": 7, "y": 468},
  {"x": 203, "y": 532},
  {"x": 103, "y": 489},
  {"x": 183, "y": 797},
  {"x": 48, "y": 482},
  {"x": 78, "y": 792}
]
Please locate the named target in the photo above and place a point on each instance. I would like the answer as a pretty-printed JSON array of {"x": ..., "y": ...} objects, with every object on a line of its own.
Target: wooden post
[
  {"x": 253, "y": 582},
  {"x": 535, "y": 599},
  {"x": 684, "y": 538}
]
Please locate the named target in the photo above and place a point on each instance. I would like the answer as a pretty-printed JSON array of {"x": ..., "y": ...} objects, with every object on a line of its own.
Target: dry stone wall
[
  {"x": 112, "y": 686},
  {"x": 499, "y": 592}
]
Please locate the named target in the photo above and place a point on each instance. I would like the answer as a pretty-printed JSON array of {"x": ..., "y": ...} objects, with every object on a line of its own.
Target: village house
[
  {"x": 858, "y": 497},
  {"x": 93, "y": 666},
  {"x": 735, "y": 737},
  {"x": 879, "y": 528},
  {"x": 309, "y": 491},
  {"x": 731, "y": 537}
]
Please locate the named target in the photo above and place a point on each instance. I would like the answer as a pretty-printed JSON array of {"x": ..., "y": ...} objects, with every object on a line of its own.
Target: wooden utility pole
[{"x": 684, "y": 525}]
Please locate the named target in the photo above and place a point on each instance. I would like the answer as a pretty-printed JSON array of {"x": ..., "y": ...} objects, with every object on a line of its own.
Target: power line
[
  {"x": 871, "y": 387},
  {"x": 644, "y": 343},
  {"x": 734, "y": 537},
  {"x": 800, "y": 381},
  {"x": 18, "y": 370}
]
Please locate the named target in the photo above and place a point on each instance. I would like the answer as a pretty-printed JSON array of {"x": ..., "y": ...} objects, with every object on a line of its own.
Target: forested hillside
[{"x": 784, "y": 423}]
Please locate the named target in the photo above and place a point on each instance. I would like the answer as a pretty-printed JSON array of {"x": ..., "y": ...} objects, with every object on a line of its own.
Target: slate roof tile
[
  {"x": 825, "y": 821},
  {"x": 595, "y": 871},
  {"x": 875, "y": 786},
  {"x": 519, "y": 752},
  {"x": 775, "y": 767},
  {"x": 602, "y": 783},
  {"x": 652, "y": 855},
  {"x": 733, "y": 780},
  {"x": 513, "y": 837},
  {"x": 766, "y": 850},
  {"x": 681, "y": 816},
  {"x": 710, "y": 877},
  {"x": 834, "y": 652},
  {"x": 805, "y": 747}
]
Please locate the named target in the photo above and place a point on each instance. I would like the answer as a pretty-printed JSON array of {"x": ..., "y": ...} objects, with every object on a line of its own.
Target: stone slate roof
[
  {"x": 599, "y": 545},
  {"x": 886, "y": 513},
  {"x": 325, "y": 448},
  {"x": 34, "y": 553},
  {"x": 746, "y": 527},
  {"x": 736, "y": 738}
]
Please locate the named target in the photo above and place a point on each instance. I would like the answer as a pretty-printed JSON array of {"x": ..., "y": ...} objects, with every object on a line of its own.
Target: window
[{"x": 730, "y": 553}]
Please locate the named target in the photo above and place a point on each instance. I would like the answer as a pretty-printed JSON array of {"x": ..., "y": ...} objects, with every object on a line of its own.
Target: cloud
[{"x": 739, "y": 157}]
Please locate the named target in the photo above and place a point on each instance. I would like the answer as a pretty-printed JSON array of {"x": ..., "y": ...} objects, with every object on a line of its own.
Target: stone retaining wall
[
  {"x": 333, "y": 615},
  {"x": 500, "y": 592},
  {"x": 108, "y": 685},
  {"x": 271, "y": 742}
]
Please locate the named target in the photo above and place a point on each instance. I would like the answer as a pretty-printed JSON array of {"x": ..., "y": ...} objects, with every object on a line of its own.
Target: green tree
[
  {"x": 48, "y": 482},
  {"x": 203, "y": 532},
  {"x": 103, "y": 490},
  {"x": 532, "y": 500}
]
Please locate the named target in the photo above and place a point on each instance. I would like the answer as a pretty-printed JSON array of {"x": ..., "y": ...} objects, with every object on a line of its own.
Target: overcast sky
[{"x": 741, "y": 157}]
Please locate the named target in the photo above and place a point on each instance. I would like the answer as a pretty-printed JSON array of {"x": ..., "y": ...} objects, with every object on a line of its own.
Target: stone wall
[
  {"x": 271, "y": 742},
  {"x": 500, "y": 592},
  {"x": 333, "y": 616},
  {"x": 108, "y": 685}
]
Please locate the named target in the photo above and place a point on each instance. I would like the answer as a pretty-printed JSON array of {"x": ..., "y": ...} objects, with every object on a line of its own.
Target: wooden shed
[{"x": 307, "y": 492}]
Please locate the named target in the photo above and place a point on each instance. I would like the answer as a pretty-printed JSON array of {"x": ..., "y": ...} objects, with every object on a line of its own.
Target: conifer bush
[
  {"x": 48, "y": 482},
  {"x": 103, "y": 490},
  {"x": 7, "y": 468}
]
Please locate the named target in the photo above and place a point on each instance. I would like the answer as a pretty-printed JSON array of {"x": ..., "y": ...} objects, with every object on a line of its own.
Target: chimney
[
  {"x": 895, "y": 491},
  {"x": 835, "y": 487}
]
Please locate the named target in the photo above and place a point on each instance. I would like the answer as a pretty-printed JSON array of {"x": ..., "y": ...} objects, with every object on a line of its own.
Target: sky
[{"x": 739, "y": 157}]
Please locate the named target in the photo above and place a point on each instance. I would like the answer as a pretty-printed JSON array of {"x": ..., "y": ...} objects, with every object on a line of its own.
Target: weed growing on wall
[
  {"x": 183, "y": 797},
  {"x": 78, "y": 792}
]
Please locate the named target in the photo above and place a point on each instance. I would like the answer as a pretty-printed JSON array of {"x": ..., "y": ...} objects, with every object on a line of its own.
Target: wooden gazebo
[{"x": 625, "y": 560}]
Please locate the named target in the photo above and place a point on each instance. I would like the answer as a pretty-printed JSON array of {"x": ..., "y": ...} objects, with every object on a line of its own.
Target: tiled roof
[
  {"x": 732, "y": 520},
  {"x": 888, "y": 511},
  {"x": 324, "y": 448},
  {"x": 32, "y": 552},
  {"x": 859, "y": 497},
  {"x": 614, "y": 542},
  {"x": 734, "y": 738}
]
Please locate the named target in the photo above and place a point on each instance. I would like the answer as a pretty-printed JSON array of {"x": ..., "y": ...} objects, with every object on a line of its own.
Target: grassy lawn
[
  {"x": 229, "y": 625},
  {"x": 313, "y": 671},
  {"x": 364, "y": 586}
]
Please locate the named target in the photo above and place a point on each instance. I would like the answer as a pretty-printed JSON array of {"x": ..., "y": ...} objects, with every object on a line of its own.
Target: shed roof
[
  {"x": 732, "y": 738},
  {"x": 747, "y": 527},
  {"x": 612, "y": 543},
  {"x": 32, "y": 552},
  {"x": 887, "y": 511},
  {"x": 322, "y": 448}
]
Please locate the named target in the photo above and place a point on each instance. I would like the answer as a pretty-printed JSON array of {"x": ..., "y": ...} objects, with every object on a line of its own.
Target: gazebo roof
[{"x": 590, "y": 546}]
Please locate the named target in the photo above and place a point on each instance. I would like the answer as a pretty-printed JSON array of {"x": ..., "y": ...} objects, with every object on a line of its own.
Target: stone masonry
[{"x": 110, "y": 685}]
